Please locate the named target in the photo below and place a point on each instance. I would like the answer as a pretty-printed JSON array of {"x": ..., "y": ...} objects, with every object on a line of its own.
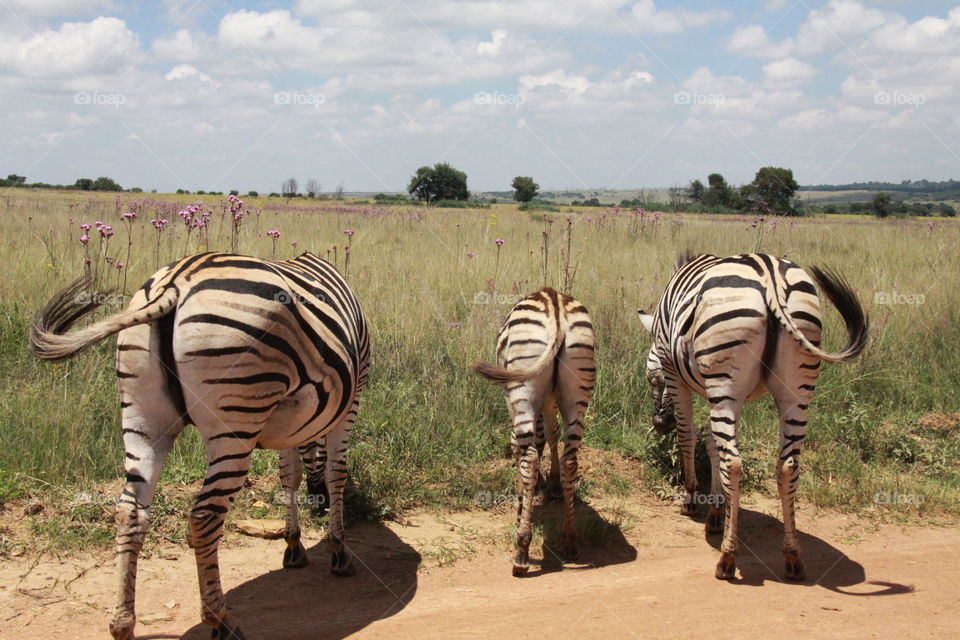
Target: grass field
[{"x": 435, "y": 287}]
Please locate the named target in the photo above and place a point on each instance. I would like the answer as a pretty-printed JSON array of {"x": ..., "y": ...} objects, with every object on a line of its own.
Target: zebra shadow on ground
[
  {"x": 761, "y": 559},
  {"x": 290, "y": 604},
  {"x": 601, "y": 541}
]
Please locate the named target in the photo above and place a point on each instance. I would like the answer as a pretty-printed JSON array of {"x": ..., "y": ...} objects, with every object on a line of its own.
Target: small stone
[
  {"x": 266, "y": 529},
  {"x": 151, "y": 618}
]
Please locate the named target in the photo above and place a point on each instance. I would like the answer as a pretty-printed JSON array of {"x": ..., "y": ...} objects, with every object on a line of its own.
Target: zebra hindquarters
[{"x": 151, "y": 420}]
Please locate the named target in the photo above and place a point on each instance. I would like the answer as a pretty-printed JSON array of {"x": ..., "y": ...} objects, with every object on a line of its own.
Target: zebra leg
[
  {"x": 229, "y": 461},
  {"x": 528, "y": 463},
  {"x": 724, "y": 415},
  {"x": 714, "y": 522},
  {"x": 793, "y": 429},
  {"x": 549, "y": 413},
  {"x": 540, "y": 439},
  {"x": 145, "y": 456},
  {"x": 341, "y": 564},
  {"x": 295, "y": 555},
  {"x": 314, "y": 458},
  {"x": 572, "y": 408},
  {"x": 687, "y": 439}
]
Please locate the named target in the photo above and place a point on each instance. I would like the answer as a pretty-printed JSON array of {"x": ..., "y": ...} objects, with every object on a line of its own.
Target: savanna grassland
[{"x": 435, "y": 285}]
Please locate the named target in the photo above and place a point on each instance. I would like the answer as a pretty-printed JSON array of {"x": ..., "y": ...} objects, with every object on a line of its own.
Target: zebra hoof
[
  {"x": 714, "y": 523},
  {"x": 794, "y": 568},
  {"x": 341, "y": 564},
  {"x": 726, "y": 567},
  {"x": 223, "y": 631},
  {"x": 121, "y": 627},
  {"x": 295, "y": 557},
  {"x": 521, "y": 563}
]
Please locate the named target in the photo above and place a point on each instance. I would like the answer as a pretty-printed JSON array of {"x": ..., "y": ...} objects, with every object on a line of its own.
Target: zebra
[
  {"x": 256, "y": 354},
  {"x": 731, "y": 330},
  {"x": 545, "y": 360}
]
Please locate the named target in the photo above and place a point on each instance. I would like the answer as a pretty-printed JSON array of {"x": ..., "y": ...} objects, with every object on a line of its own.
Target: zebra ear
[{"x": 646, "y": 320}]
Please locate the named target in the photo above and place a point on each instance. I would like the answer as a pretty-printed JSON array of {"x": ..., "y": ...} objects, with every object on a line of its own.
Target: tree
[
  {"x": 441, "y": 182},
  {"x": 104, "y": 183},
  {"x": 524, "y": 189},
  {"x": 312, "y": 187},
  {"x": 16, "y": 181},
  {"x": 289, "y": 187},
  {"x": 695, "y": 191},
  {"x": 252, "y": 194},
  {"x": 338, "y": 192},
  {"x": 882, "y": 204},
  {"x": 83, "y": 184},
  {"x": 718, "y": 193},
  {"x": 775, "y": 186},
  {"x": 676, "y": 193}
]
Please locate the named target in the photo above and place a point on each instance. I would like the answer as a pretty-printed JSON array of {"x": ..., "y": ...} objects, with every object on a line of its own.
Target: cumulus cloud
[{"x": 102, "y": 46}]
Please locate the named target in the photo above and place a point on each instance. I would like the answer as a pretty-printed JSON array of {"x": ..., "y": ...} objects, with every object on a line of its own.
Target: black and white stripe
[
  {"x": 545, "y": 356},
  {"x": 256, "y": 354},
  {"x": 731, "y": 330}
]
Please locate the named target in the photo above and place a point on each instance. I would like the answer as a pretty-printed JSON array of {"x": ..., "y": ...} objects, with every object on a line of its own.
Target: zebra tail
[
  {"x": 500, "y": 374},
  {"x": 49, "y": 339},
  {"x": 841, "y": 295}
]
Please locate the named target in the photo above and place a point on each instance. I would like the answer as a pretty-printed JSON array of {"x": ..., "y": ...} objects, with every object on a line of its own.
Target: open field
[{"x": 434, "y": 286}]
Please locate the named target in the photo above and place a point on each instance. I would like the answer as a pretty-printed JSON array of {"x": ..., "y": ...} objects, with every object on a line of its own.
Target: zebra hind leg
[
  {"x": 314, "y": 457},
  {"x": 714, "y": 522},
  {"x": 724, "y": 416},
  {"x": 687, "y": 439},
  {"x": 295, "y": 556},
  {"x": 229, "y": 461},
  {"x": 793, "y": 428},
  {"x": 554, "y": 482},
  {"x": 145, "y": 455},
  {"x": 341, "y": 563},
  {"x": 528, "y": 471}
]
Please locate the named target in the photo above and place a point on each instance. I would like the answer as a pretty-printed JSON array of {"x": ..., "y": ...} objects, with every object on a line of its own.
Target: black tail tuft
[{"x": 841, "y": 295}]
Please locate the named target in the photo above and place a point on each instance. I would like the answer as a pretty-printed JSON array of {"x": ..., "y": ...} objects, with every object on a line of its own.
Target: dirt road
[{"x": 448, "y": 576}]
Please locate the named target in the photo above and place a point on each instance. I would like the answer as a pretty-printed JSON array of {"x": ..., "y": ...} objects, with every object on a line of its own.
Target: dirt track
[{"x": 654, "y": 581}]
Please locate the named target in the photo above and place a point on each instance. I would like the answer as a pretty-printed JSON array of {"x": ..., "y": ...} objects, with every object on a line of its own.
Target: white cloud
[
  {"x": 830, "y": 26},
  {"x": 650, "y": 19},
  {"x": 788, "y": 72},
  {"x": 56, "y": 8},
  {"x": 102, "y": 46},
  {"x": 496, "y": 42},
  {"x": 752, "y": 41},
  {"x": 557, "y": 78}
]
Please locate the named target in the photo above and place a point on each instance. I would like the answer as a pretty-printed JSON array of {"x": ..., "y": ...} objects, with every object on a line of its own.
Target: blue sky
[{"x": 580, "y": 94}]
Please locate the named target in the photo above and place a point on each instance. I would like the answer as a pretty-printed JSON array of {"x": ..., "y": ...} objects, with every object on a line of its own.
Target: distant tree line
[{"x": 82, "y": 184}]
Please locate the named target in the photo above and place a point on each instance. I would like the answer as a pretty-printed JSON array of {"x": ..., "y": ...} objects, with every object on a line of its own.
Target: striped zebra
[
  {"x": 545, "y": 352},
  {"x": 731, "y": 330},
  {"x": 254, "y": 353}
]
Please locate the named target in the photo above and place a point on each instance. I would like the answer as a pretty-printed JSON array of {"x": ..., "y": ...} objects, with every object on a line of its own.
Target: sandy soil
[{"x": 448, "y": 576}]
